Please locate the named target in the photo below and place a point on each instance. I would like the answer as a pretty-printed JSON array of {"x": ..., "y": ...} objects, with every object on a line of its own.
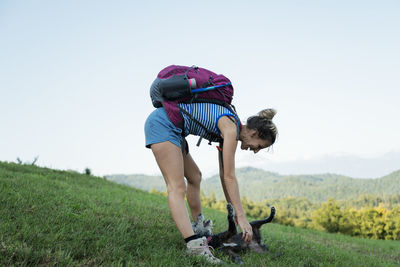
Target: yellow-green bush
[{"x": 333, "y": 216}]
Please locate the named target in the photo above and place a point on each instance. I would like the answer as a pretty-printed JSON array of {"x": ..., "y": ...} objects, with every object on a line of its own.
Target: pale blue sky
[{"x": 75, "y": 76}]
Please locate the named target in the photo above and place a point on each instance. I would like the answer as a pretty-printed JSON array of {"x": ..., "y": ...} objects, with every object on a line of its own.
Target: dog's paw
[
  {"x": 231, "y": 210},
  {"x": 273, "y": 211}
]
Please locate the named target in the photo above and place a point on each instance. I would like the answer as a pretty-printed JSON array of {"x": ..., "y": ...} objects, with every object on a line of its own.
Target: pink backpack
[{"x": 181, "y": 84}]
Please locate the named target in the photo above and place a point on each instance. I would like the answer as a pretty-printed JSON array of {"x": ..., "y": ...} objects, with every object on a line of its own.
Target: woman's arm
[
  {"x": 229, "y": 181},
  {"x": 221, "y": 176}
]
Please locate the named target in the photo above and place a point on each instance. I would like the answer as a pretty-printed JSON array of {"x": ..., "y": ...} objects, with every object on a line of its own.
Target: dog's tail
[{"x": 258, "y": 223}]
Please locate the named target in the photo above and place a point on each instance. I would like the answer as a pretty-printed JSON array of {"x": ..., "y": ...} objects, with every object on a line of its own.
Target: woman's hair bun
[
  {"x": 263, "y": 124},
  {"x": 268, "y": 113}
]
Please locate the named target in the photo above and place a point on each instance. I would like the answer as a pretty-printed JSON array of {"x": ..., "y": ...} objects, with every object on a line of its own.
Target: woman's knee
[
  {"x": 192, "y": 171},
  {"x": 195, "y": 178},
  {"x": 177, "y": 189}
]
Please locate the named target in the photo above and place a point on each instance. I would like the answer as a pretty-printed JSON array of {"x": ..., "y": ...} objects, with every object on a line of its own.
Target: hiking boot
[{"x": 200, "y": 247}]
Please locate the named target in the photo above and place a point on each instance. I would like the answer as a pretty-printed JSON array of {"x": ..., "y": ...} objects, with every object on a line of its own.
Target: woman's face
[{"x": 250, "y": 140}]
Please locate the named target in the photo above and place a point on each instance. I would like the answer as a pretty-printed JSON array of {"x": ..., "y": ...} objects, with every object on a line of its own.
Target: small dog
[{"x": 231, "y": 241}]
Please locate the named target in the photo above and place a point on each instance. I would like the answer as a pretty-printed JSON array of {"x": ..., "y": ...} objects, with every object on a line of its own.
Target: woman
[{"x": 165, "y": 140}]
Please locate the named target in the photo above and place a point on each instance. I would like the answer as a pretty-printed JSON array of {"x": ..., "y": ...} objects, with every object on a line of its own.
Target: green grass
[{"x": 50, "y": 217}]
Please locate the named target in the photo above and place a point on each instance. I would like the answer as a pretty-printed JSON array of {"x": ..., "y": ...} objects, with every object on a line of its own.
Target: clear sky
[{"x": 75, "y": 76}]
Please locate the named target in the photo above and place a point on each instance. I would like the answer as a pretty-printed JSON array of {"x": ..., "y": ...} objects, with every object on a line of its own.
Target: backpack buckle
[{"x": 198, "y": 142}]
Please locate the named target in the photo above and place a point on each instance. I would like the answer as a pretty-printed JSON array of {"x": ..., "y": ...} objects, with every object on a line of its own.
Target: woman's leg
[
  {"x": 193, "y": 176},
  {"x": 170, "y": 160}
]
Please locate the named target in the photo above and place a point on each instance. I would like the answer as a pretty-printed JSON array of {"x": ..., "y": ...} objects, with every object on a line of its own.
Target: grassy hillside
[
  {"x": 256, "y": 185},
  {"x": 51, "y": 217}
]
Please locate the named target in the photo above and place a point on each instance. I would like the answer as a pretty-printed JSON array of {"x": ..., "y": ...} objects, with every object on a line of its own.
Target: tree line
[{"x": 368, "y": 216}]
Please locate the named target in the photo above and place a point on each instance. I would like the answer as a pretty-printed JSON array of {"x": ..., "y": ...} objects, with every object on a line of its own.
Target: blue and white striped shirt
[{"x": 207, "y": 114}]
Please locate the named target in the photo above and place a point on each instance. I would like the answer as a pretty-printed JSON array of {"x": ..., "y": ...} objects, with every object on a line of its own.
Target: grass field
[{"x": 50, "y": 217}]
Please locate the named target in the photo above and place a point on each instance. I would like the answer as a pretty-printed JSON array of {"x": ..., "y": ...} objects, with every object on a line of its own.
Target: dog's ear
[
  {"x": 202, "y": 227},
  {"x": 200, "y": 219},
  {"x": 207, "y": 223},
  {"x": 208, "y": 227}
]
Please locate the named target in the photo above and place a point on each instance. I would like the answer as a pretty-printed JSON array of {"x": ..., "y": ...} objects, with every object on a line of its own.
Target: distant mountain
[
  {"x": 344, "y": 164},
  {"x": 257, "y": 184},
  {"x": 141, "y": 181}
]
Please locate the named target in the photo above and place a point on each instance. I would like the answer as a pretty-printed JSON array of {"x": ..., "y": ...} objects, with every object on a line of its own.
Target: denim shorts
[{"x": 158, "y": 128}]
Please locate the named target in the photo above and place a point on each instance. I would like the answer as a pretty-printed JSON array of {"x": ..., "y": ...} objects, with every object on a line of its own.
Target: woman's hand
[{"x": 246, "y": 228}]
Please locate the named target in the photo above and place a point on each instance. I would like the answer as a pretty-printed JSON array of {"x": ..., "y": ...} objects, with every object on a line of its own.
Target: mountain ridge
[{"x": 257, "y": 184}]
